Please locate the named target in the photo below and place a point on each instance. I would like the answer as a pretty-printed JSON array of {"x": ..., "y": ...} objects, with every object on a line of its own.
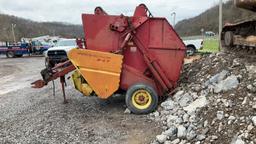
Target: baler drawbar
[{"x": 142, "y": 55}]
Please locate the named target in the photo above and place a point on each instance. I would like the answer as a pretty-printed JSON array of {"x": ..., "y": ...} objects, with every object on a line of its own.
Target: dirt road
[{"x": 36, "y": 116}]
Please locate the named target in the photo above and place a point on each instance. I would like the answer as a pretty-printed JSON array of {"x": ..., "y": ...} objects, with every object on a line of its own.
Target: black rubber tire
[
  {"x": 10, "y": 54},
  {"x": 190, "y": 51},
  {"x": 19, "y": 55},
  {"x": 150, "y": 90},
  {"x": 229, "y": 39}
]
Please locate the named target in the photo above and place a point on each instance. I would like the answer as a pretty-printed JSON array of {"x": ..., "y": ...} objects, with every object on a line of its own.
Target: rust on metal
[
  {"x": 54, "y": 73},
  {"x": 38, "y": 84}
]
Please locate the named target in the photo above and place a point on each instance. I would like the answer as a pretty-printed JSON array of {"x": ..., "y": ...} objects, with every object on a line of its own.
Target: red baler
[{"x": 141, "y": 54}]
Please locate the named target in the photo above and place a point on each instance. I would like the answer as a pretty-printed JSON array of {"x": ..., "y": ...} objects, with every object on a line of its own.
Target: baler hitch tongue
[
  {"x": 50, "y": 74},
  {"x": 38, "y": 84}
]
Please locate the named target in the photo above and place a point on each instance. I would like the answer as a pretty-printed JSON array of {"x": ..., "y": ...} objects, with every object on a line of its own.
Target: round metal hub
[{"x": 141, "y": 99}]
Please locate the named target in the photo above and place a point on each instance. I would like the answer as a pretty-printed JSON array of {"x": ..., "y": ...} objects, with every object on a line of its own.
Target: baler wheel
[
  {"x": 10, "y": 54},
  {"x": 141, "y": 99}
]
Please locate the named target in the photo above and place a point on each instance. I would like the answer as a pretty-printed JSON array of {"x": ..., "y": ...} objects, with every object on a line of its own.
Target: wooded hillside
[
  {"x": 209, "y": 20},
  {"x": 28, "y": 28}
]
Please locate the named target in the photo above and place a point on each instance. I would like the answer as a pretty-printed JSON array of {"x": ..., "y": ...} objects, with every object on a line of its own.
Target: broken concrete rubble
[
  {"x": 227, "y": 84},
  {"x": 181, "y": 131},
  {"x": 216, "y": 78},
  {"x": 168, "y": 104},
  {"x": 161, "y": 138},
  {"x": 199, "y": 103},
  {"x": 254, "y": 120},
  {"x": 185, "y": 100},
  {"x": 215, "y": 102}
]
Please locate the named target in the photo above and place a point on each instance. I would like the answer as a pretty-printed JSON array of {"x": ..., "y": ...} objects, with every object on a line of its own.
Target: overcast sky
[{"x": 70, "y": 10}]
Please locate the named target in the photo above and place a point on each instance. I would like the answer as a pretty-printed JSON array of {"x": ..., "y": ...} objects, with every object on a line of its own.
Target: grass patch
[{"x": 210, "y": 45}]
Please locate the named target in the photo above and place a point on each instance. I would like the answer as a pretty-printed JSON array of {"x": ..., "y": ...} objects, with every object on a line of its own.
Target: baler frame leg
[{"x": 63, "y": 81}]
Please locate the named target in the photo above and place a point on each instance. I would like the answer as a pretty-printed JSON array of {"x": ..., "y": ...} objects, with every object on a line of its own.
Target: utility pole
[
  {"x": 13, "y": 33},
  {"x": 220, "y": 23},
  {"x": 174, "y": 18}
]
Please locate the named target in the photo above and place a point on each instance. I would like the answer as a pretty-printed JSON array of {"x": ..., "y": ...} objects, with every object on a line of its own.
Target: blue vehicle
[{"x": 33, "y": 48}]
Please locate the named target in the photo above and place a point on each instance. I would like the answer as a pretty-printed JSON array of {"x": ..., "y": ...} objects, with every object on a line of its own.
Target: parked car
[
  {"x": 210, "y": 33},
  {"x": 193, "y": 46},
  {"x": 58, "y": 53}
]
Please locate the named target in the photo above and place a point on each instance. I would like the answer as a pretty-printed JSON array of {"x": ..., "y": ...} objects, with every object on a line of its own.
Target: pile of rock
[{"x": 216, "y": 103}]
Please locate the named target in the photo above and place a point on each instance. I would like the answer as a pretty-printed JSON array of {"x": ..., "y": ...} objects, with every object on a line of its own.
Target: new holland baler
[{"x": 139, "y": 54}]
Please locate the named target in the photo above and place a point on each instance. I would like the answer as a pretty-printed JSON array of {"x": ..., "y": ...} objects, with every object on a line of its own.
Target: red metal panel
[
  {"x": 171, "y": 62},
  {"x": 134, "y": 58},
  {"x": 158, "y": 33},
  {"x": 155, "y": 33},
  {"x": 98, "y": 34},
  {"x": 165, "y": 46},
  {"x": 131, "y": 76}
]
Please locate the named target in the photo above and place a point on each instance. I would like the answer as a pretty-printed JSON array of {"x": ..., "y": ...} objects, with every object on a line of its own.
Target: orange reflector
[{"x": 101, "y": 70}]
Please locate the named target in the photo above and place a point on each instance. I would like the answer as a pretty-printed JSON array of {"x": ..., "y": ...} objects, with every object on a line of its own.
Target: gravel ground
[{"x": 35, "y": 116}]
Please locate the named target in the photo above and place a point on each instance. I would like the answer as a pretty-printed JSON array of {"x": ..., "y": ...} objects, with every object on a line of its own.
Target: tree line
[
  {"x": 209, "y": 20},
  {"x": 29, "y": 29}
]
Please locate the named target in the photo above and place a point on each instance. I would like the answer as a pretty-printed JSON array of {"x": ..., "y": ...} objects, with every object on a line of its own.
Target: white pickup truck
[
  {"x": 193, "y": 46},
  {"x": 58, "y": 53}
]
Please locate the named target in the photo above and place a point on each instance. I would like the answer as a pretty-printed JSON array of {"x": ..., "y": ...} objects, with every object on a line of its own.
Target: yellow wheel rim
[{"x": 141, "y": 99}]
